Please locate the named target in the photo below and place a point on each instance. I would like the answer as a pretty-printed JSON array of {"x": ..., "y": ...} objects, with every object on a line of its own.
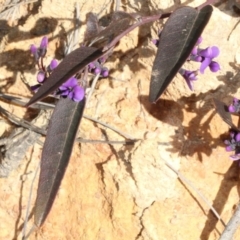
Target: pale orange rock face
[{"x": 127, "y": 192}]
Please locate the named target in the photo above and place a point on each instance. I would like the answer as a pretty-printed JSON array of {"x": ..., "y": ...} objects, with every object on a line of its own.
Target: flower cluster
[
  {"x": 203, "y": 56},
  {"x": 235, "y": 106},
  {"x": 96, "y": 67},
  {"x": 72, "y": 90},
  {"x": 206, "y": 56},
  {"x": 71, "y": 87},
  {"x": 39, "y": 53},
  {"x": 189, "y": 76},
  {"x": 234, "y": 143}
]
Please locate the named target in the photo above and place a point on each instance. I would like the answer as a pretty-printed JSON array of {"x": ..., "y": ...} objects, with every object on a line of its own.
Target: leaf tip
[
  {"x": 31, "y": 101},
  {"x": 152, "y": 99}
]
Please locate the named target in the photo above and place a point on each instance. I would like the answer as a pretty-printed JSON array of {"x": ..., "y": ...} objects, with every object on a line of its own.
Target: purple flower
[
  {"x": 34, "y": 51},
  {"x": 199, "y": 41},
  {"x": 207, "y": 55},
  {"x": 194, "y": 54},
  {"x": 230, "y": 145},
  {"x": 41, "y": 76},
  {"x": 189, "y": 76},
  {"x": 53, "y": 65},
  {"x": 234, "y": 142},
  {"x": 35, "y": 88},
  {"x": 237, "y": 137},
  {"x": 195, "y": 49},
  {"x": 91, "y": 66},
  {"x": 44, "y": 42},
  {"x": 97, "y": 70},
  {"x": 102, "y": 60},
  {"x": 43, "y": 47},
  {"x": 235, "y": 106},
  {"x": 235, "y": 157},
  {"x": 96, "y": 67},
  {"x": 234, "y": 145},
  {"x": 72, "y": 90},
  {"x": 41, "y": 51},
  {"x": 155, "y": 42},
  {"x": 104, "y": 72}
]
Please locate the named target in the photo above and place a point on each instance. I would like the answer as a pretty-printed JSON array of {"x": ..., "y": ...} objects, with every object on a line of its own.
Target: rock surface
[{"x": 127, "y": 192}]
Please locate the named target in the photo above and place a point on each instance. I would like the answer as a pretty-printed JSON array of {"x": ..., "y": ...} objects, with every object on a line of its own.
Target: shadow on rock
[
  {"x": 230, "y": 180},
  {"x": 196, "y": 137}
]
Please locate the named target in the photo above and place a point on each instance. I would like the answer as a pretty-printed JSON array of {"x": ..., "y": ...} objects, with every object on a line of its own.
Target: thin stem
[
  {"x": 117, "y": 7},
  {"x": 141, "y": 21},
  {"x": 232, "y": 225},
  {"x": 42, "y": 65},
  {"x": 125, "y": 135},
  {"x": 28, "y": 125},
  {"x": 25, "y": 2},
  {"x": 16, "y": 120},
  {"x": 28, "y": 204},
  {"x": 131, "y": 142},
  {"x": 92, "y": 88},
  {"x": 21, "y": 101}
]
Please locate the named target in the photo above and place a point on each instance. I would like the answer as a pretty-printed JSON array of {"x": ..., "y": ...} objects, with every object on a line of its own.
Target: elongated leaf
[
  {"x": 176, "y": 42},
  {"x": 115, "y": 28},
  {"x": 56, "y": 153},
  {"x": 71, "y": 64},
  {"x": 221, "y": 109},
  {"x": 93, "y": 27}
]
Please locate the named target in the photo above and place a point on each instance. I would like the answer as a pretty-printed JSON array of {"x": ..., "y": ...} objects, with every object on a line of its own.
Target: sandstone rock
[{"x": 127, "y": 192}]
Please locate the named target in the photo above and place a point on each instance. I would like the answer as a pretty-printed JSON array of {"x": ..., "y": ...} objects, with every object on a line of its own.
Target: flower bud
[
  {"x": 199, "y": 40},
  {"x": 44, "y": 43},
  {"x": 104, "y": 72},
  {"x": 214, "y": 66},
  {"x": 91, "y": 65},
  {"x": 53, "y": 64},
  {"x": 231, "y": 109},
  {"x": 237, "y": 137},
  {"x": 43, "y": 47},
  {"x": 41, "y": 76},
  {"x": 97, "y": 70},
  {"x": 34, "y": 51}
]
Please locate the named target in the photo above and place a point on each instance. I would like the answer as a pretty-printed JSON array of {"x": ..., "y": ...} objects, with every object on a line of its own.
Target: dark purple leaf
[
  {"x": 56, "y": 154},
  {"x": 176, "y": 42},
  {"x": 71, "y": 64},
  {"x": 115, "y": 28},
  {"x": 92, "y": 26},
  {"x": 223, "y": 112}
]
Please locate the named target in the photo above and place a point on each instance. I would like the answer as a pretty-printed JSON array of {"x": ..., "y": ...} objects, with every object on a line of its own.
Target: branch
[{"x": 232, "y": 225}]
